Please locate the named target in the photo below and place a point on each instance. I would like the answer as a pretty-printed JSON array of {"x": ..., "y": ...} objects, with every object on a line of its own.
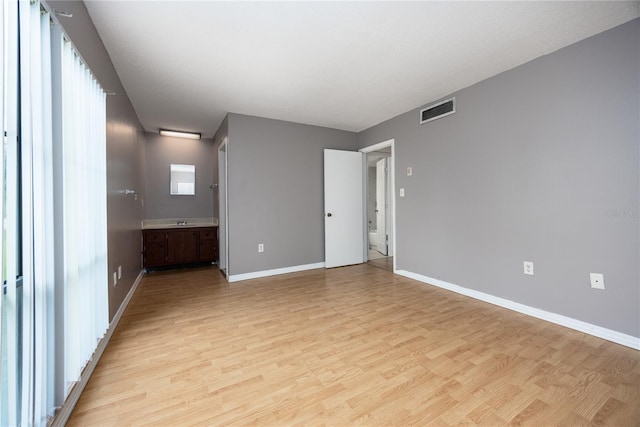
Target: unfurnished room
[{"x": 420, "y": 213}]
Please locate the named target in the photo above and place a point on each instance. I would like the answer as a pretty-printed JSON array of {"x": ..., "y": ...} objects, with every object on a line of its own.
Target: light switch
[
  {"x": 402, "y": 192},
  {"x": 409, "y": 171}
]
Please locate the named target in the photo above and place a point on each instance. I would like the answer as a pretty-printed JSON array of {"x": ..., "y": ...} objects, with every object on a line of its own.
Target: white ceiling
[{"x": 345, "y": 65}]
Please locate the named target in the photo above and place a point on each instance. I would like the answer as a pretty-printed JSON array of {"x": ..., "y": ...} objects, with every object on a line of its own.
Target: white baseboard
[
  {"x": 578, "y": 325},
  {"x": 63, "y": 415},
  {"x": 267, "y": 273}
]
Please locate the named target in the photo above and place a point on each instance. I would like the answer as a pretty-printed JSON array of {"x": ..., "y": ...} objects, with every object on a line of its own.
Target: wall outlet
[
  {"x": 115, "y": 278},
  {"x": 597, "y": 280},
  {"x": 409, "y": 171},
  {"x": 260, "y": 247},
  {"x": 528, "y": 268},
  {"x": 119, "y": 272}
]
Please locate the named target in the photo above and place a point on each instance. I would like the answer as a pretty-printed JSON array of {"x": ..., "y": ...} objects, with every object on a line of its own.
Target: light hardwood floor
[
  {"x": 384, "y": 262},
  {"x": 347, "y": 346}
]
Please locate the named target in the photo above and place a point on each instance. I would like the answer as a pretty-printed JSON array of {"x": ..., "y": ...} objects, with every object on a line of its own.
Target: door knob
[{"x": 329, "y": 214}]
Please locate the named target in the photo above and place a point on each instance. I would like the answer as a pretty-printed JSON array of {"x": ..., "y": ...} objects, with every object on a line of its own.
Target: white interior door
[
  {"x": 381, "y": 205},
  {"x": 223, "y": 241},
  {"x": 343, "y": 208}
]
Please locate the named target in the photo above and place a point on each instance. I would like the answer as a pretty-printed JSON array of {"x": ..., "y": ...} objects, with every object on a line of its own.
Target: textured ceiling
[{"x": 345, "y": 65}]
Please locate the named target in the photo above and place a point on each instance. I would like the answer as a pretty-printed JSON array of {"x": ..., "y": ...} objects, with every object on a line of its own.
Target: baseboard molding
[
  {"x": 63, "y": 415},
  {"x": 578, "y": 325},
  {"x": 267, "y": 273}
]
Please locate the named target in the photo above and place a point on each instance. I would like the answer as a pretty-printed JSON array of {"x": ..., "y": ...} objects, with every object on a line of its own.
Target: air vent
[{"x": 441, "y": 109}]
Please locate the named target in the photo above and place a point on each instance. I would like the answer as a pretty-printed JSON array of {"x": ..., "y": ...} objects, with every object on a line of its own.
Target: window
[
  {"x": 50, "y": 200},
  {"x": 11, "y": 295}
]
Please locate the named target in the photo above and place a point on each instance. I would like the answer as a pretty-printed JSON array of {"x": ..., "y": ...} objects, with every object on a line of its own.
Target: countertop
[{"x": 154, "y": 224}]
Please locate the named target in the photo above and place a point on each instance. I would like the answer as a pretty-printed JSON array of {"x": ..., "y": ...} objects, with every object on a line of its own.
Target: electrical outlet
[
  {"x": 528, "y": 268},
  {"x": 260, "y": 247},
  {"x": 597, "y": 280},
  {"x": 119, "y": 272},
  {"x": 409, "y": 171},
  {"x": 115, "y": 278}
]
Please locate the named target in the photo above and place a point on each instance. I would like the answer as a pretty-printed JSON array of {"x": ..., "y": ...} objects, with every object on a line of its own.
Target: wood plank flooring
[
  {"x": 384, "y": 262},
  {"x": 347, "y": 346}
]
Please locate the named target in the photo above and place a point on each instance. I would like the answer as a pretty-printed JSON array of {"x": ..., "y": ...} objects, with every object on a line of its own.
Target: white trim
[
  {"x": 224, "y": 148},
  {"x": 70, "y": 402},
  {"x": 274, "y": 272},
  {"x": 558, "y": 319},
  {"x": 452, "y": 99},
  {"x": 369, "y": 149},
  {"x": 378, "y": 146}
]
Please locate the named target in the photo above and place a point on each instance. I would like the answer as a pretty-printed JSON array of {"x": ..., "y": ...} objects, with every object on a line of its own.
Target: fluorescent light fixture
[{"x": 179, "y": 134}]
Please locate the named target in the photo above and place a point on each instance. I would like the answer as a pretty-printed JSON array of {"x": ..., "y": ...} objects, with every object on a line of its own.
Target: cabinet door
[
  {"x": 207, "y": 250},
  {"x": 154, "y": 254},
  {"x": 182, "y": 246},
  {"x": 215, "y": 243},
  {"x": 208, "y": 244}
]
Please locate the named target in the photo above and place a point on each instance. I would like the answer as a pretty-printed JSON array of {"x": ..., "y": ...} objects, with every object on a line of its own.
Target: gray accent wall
[
  {"x": 276, "y": 191},
  {"x": 125, "y": 154},
  {"x": 161, "y": 152},
  {"x": 540, "y": 163}
]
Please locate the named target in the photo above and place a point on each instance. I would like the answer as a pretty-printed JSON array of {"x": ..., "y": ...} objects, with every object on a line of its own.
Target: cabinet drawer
[
  {"x": 208, "y": 234},
  {"x": 153, "y": 237}
]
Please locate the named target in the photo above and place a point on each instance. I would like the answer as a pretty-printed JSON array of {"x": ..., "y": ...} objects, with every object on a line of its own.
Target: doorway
[
  {"x": 223, "y": 221},
  {"x": 379, "y": 205}
]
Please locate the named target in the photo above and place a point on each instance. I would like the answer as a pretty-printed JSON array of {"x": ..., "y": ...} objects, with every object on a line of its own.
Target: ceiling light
[{"x": 179, "y": 134}]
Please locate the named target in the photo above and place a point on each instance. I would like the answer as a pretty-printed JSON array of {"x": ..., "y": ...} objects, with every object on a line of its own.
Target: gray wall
[
  {"x": 276, "y": 191},
  {"x": 539, "y": 163},
  {"x": 125, "y": 153},
  {"x": 161, "y": 152}
]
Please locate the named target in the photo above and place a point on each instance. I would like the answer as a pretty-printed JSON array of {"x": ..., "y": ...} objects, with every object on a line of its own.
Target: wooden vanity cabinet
[
  {"x": 182, "y": 246},
  {"x": 172, "y": 246}
]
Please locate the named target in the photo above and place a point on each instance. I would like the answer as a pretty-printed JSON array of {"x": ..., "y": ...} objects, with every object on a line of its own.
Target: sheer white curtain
[{"x": 85, "y": 212}]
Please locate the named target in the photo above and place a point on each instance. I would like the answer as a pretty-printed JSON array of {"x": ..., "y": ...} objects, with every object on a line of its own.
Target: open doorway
[
  {"x": 223, "y": 222},
  {"x": 379, "y": 205}
]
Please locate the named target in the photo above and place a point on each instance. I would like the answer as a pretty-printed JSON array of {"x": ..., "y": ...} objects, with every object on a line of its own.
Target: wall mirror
[{"x": 183, "y": 180}]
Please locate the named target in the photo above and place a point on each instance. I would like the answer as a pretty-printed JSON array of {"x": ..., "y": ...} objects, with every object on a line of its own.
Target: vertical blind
[
  {"x": 36, "y": 230},
  {"x": 85, "y": 212},
  {"x": 31, "y": 297},
  {"x": 10, "y": 297}
]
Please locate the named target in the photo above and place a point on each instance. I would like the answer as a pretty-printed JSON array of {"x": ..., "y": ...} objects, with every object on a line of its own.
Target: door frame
[
  {"x": 392, "y": 197},
  {"x": 383, "y": 189},
  {"x": 223, "y": 149}
]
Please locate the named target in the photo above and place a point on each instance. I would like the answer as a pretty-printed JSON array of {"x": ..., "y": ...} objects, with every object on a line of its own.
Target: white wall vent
[{"x": 436, "y": 111}]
